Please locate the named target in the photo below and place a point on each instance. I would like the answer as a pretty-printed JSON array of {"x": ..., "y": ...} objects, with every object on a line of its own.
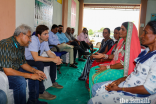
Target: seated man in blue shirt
[
  {"x": 63, "y": 39},
  {"x": 38, "y": 45},
  {"x": 53, "y": 40}
]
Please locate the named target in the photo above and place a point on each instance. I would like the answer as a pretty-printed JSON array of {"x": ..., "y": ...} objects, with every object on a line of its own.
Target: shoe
[
  {"x": 81, "y": 79},
  {"x": 94, "y": 50},
  {"x": 72, "y": 65},
  {"x": 75, "y": 63},
  {"x": 56, "y": 85},
  {"x": 84, "y": 57},
  {"x": 80, "y": 59},
  {"x": 47, "y": 96},
  {"x": 85, "y": 53}
]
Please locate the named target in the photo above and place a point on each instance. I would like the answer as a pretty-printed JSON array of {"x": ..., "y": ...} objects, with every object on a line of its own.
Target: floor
[{"x": 74, "y": 91}]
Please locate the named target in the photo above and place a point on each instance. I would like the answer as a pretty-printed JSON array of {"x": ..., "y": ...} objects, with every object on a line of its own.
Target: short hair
[
  {"x": 54, "y": 26},
  {"x": 125, "y": 24},
  {"x": 107, "y": 30},
  {"x": 152, "y": 24},
  {"x": 22, "y": 29},
  {"x": 84, "y": 28},
  {"x": 72, "y": 28},
  {"x": 117, "y": 28},
  {"x": 40, "y": 29},
  {"x": 60, "y": 25}
]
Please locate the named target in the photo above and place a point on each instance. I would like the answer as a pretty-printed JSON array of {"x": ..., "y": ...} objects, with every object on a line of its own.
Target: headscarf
[{"x": 132, "y": 48}]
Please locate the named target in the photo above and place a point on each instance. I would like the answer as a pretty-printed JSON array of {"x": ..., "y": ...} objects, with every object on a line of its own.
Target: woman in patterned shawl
[{"x": 127, "y": 50}]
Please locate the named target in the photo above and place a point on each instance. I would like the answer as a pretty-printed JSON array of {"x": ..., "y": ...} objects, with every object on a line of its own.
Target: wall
[
  {"x": 77, "y": 15},
  {"x": 113, "y": 1},
  {"x": 151, "y": 8},
  {"x": 57, "y": 13},
  {"x": 7, "y": 18},
  {"x": 25, "y": 12}
]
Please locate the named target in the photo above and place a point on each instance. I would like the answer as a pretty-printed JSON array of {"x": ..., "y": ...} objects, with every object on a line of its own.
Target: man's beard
[{"x": 60, "y": 31}]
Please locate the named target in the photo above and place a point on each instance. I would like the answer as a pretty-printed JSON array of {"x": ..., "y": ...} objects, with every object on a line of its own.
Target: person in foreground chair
[{"x": 14, "y": 65}]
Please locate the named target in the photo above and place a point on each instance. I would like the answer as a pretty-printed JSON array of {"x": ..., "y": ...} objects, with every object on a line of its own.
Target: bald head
[{"x": 68, "y": 30}]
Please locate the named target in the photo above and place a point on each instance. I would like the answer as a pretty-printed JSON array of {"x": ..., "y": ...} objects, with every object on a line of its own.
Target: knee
[
  {"x": 40, "y": 65},
  {"x": 3, "y": 97},
  {"x": 21, "y": 82}
]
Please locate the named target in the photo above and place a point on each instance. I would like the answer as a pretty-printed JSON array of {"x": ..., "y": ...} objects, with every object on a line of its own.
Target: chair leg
[{"x": 58, "y": 68}]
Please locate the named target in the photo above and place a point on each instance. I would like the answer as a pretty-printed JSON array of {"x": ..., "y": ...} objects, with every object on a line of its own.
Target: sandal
[{"x": 72, "y": 65}]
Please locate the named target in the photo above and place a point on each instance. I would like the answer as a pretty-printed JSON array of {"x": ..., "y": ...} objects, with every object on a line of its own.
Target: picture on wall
[
  {"x": 43, "y": 13},
  {"x": 153, "y": 17}
]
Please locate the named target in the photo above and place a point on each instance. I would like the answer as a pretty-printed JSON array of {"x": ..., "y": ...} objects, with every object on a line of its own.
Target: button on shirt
[
  {"x": 70, "y": 37},
  {"x": 35, "y": 46},
  {"x": 83, "y": 37},
  {"x": 11, "y": 54},
  {"x": 62, "y": 38},
  {"x": 53, "y": 39}
]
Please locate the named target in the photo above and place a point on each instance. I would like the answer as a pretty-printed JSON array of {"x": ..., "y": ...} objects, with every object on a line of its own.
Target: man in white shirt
[{"x": 39, "y": 44}]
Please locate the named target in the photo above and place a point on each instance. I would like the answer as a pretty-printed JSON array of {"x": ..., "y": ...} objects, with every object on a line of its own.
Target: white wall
[
  {"x": 57, "y": 13},
  {"x": 25, "y": 12},
  {"x": 151, "y": 8},
  {"x": 113, "y": 1}
]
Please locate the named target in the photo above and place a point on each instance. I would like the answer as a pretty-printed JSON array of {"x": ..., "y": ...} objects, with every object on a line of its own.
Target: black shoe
[
  {"x": 94, "y": 50},
  {"x": 72, "y": 65},
  {"x": 75, "y": 63},
  {"x": 81, "y": 79},
  {"x": 80, "y": 59},
  {"x": 84, "y": 57},
  {"x": 85, "y": 53}
]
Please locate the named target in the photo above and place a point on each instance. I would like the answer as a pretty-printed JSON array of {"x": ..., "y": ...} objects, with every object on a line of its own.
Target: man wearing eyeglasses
[
  {"x": 14, "y": 65},
  {"x": 39, "y": 44}
]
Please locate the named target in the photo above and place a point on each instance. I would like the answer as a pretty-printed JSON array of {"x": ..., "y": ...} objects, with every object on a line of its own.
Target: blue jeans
[
  {"x": 3, "y": 97},
  {"x": 18, "y": 84}
]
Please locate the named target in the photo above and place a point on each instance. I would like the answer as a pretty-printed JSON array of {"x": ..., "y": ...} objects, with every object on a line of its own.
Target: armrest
[
  {"x": 58, "y": 50},
  {"x": 4, "y": 82}
]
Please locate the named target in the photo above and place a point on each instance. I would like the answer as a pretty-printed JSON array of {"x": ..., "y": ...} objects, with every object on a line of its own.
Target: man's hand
[
  {"x": 36, "y": 77},
  {"x": 40, "y": 73},
  {"x": 102, "y": 68},
  {"x": 57, "y": 60},
  {"x": 78, "y": 42}
]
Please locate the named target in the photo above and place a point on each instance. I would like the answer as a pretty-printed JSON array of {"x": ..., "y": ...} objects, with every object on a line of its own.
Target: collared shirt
[
  {"x": 62, "y": 37},
  {"x": 11, "y": 54},
  {"x": 83, "y": 37},
  {"x": 35, "y": 46},
  {"x": 53, "y": 39},
  {"x": 70, "y": 37}
]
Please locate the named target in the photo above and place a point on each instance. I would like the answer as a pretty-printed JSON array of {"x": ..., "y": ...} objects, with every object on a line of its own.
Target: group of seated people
[
  {"x": 67, "y": 42},
  {"x": 120, "y": 72},
  {"x": 21, "y": 59}
]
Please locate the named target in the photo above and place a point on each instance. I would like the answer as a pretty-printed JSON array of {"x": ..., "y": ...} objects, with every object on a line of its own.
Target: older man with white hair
[{"x": 14, "y": 65}]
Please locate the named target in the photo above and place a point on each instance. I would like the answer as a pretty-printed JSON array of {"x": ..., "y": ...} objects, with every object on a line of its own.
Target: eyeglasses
[{"x": 28, "y": 36}]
